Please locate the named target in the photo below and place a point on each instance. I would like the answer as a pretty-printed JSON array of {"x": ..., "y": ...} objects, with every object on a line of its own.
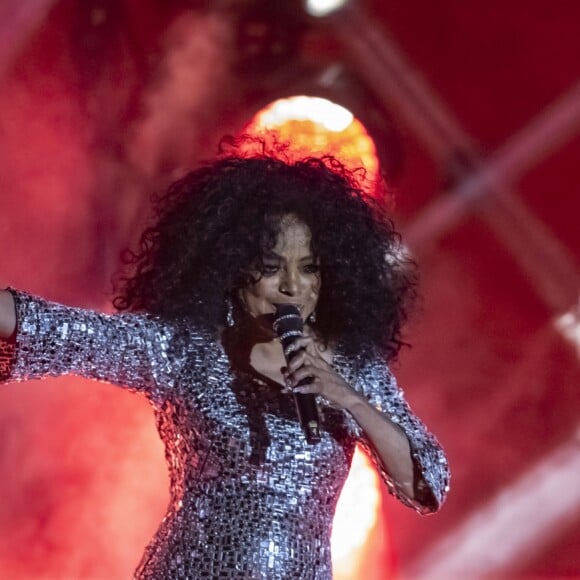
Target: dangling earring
[
  {"x": 311, "y": 317},
  {"x": 229, "y": 312}
]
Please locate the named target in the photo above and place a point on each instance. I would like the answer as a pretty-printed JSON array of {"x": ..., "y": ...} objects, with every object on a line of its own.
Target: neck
[
  {"x": 247, "y": 335},
  {"x": 255, "y": 330}
]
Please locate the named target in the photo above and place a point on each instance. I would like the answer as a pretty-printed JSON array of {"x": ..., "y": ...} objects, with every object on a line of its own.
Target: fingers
[
  {"x": 314, "y": 387},
  {"x": 307, "y": 343},
  {"x": 305, "y": 372},
  {"x": 297, "y": 361},
  {"x": 311, "y": 388},
  {"x": 320, "y": 382},
  {"x": 292, "y": 378},
  {"x": 303, "y": 360},
  {"x": 306, "y": 363}
]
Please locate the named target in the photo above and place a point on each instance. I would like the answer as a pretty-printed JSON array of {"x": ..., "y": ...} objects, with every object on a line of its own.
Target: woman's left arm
[
  {"x": 389, "y": 442},
  {"x": 409, "y": 458}
]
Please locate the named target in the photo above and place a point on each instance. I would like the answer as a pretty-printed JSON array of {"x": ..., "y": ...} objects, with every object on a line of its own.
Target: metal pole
[
  {"x": 484, "y": 186},
  {"x": 19, "y": 19}
]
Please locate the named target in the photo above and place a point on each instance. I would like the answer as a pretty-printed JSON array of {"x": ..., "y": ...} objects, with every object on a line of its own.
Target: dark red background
[{"x": 103, "y": 102}]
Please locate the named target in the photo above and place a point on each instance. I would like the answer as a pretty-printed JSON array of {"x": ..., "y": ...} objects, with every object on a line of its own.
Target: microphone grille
[{"x": 288, "y": 324}]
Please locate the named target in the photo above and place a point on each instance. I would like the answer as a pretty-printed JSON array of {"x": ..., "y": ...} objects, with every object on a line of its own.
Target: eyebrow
[{"x": 270, "y": 254}]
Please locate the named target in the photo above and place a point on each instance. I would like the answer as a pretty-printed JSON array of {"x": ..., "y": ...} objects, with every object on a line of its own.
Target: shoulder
[
  {"x": 369, "y": 359},
  {"x": 188, "y": 338},
  {"x": 371, "y": 375},
  {"x": 366, "y": 371}
]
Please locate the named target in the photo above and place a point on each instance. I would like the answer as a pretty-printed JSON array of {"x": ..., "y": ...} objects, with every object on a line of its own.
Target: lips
[{"x": 299, "y": 306}]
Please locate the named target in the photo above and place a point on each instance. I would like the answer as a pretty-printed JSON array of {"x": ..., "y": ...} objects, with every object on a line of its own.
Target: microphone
[{"x": 288, "y": 326}]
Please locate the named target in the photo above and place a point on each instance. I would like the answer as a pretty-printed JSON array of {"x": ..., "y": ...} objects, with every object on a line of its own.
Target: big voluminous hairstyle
[{"x": 214, "y": 224}]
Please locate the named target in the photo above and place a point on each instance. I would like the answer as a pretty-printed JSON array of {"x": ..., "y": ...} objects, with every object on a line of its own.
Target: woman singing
[{"x": 233, "y": 240}]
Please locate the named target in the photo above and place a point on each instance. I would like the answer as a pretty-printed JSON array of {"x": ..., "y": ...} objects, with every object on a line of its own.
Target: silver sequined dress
[{"x": 249, "y": 497}]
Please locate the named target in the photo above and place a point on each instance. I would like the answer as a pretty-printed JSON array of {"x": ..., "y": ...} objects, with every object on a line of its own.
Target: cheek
[
  {"x": 315, "y": 286},
  {"x": 264, "y": 288},
  {"x": 317, "y": 283},
  {"x": 256, "y": 293}
]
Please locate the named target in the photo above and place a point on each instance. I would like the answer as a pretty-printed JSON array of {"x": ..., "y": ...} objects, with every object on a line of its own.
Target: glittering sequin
[{"x": 249, "y": 497}]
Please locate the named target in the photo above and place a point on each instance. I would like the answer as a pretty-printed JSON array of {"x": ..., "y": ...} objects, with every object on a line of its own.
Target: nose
[{"x": 289, "y": 283}]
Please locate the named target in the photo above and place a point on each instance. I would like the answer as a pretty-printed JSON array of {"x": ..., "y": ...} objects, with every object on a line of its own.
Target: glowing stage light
[
  {"x": 568, "y": 324},
  {"x": 355, "y": 517},
  {"x": 331, "y": 116},
  {"x": 321, "y": 8},
  {"x": 318, "y": 126}
]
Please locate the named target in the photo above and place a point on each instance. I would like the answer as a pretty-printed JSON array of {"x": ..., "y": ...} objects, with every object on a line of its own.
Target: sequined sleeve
[
  {"x": 131, "y": 350},
  {"x": 379, "y": 386}
]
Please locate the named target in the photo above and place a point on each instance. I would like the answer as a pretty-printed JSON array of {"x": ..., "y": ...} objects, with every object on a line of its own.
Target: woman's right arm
[
  {"x": 7, "y": 314},
  {"x": 132, "y": 350}
]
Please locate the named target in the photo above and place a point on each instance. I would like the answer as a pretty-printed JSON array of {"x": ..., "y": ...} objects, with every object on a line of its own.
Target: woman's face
[{"x": 291, "y": 275}]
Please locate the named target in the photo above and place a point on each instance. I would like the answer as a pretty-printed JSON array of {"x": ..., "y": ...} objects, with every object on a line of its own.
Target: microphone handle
[
  {"x": 289, "y": 328},
  {"x": 306, "y": 407},
  {"x": 308, "y": 415}
]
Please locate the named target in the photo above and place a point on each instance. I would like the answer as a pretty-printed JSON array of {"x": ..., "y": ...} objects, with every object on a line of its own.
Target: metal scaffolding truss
[{"x": 482, "y": 184}]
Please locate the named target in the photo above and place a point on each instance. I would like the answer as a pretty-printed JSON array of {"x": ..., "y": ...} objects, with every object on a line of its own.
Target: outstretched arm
[
  {"x": 7, "y": 314},
  {"x": 132, "y": 350}
]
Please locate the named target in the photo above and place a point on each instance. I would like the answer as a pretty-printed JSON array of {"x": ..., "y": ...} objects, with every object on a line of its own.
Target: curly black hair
[{"x": 215, "y": 223}]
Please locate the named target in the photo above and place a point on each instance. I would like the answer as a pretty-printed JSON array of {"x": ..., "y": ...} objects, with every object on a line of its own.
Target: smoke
[{"x": 180, "y": 100}]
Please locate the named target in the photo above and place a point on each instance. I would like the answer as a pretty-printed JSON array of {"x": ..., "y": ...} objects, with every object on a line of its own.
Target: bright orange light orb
[{"x": 312, "y": 125}]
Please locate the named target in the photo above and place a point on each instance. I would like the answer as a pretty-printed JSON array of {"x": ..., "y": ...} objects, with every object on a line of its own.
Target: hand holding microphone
[{"x": 289, "y": 327}]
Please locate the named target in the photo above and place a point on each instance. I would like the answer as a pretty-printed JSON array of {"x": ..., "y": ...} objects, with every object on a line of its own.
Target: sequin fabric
[{"x": 249, "y": 497}]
